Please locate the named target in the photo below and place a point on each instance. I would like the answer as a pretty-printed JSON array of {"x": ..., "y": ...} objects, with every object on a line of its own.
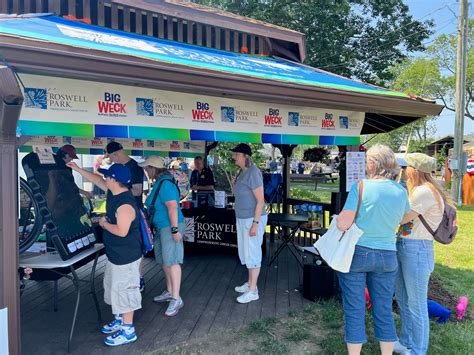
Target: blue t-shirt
[
  {"x": 384, "y": 203},
  {"x": 168, "y": 192}
]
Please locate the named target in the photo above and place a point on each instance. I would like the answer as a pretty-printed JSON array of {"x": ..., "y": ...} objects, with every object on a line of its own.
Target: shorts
[
  {"x": 122, "y": 287},
  {"x": 250, "y": 248},
  {"x": 167, "y": 251}
]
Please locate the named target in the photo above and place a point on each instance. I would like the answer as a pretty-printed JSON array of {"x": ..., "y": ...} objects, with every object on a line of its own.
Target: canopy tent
[{"x": 257, "y": 99}]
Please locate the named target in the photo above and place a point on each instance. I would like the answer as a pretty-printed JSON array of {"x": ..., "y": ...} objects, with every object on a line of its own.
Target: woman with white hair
[
  {"x": 168, "y": 220},
  {"x": 251, "y": 219},
  {"x": 383, "y": 205}
]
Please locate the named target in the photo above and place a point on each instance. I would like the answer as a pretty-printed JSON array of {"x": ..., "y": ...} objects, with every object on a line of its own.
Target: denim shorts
[
  {"x": 375, "y": 269},
  {"x": 167, "y": 250}
]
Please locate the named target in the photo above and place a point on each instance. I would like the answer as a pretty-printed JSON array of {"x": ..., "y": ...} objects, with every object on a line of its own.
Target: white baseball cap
[{"x": 154, "y": 161}]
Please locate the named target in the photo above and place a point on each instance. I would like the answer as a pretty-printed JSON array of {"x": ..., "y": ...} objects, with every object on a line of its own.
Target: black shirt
[
  {"x": 122, "y": 250},
  {"x": 137, "y": 178},
  {"x": 203, "y": 178}
]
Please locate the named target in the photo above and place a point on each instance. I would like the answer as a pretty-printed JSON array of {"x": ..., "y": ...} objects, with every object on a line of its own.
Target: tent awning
[{"x": 54, "y": 46}]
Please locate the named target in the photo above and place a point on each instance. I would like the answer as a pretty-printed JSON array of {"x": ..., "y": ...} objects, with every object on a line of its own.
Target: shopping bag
[{"x": 337, "y": 247}]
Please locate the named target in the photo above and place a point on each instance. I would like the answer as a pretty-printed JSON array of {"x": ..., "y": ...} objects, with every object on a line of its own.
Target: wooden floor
[{"x": 209, "y": 305}]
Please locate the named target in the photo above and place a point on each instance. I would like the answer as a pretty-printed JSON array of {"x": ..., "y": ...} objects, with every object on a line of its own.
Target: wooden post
[{"x": 11, "y": 100}]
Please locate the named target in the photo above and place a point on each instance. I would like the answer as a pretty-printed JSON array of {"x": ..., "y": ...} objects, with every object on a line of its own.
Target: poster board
[{"x": 355, "y": 168}]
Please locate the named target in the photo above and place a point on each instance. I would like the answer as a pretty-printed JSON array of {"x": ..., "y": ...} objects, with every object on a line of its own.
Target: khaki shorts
[{"x": 122, "y": 287}]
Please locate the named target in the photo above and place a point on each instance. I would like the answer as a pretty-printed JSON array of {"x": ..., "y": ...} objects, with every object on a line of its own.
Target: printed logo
[
  {"x": 51, "y": 140},
  {"x": 145, "y": 107},
  {"x": 112, "y": 106},
  {"x": 174, "y": 145},
  {"x": 202, "y": 113},
  {"x": 150, "y": 143},
  {"x": 227, "y": 114},
  {"x": 328, "y": 122},
  {"x": 138, "y": 143},
  {"x": 36, "y": 98},
  {"x": 273, "y": 119},
  {"x": 344, "y": 122},
  {"x": 293, "y": 119},
  {"x": 97, "y": 142},
  {"x": 67, "y": 140},
  {"x": 186, "y": 145}
]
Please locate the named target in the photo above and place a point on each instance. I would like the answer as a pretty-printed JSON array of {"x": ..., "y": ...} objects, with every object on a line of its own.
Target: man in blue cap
[{"x": 123, "y": 247}]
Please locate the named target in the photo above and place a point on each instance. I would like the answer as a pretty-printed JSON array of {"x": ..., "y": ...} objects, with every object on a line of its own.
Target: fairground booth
[{"x": 162, "y": 79}]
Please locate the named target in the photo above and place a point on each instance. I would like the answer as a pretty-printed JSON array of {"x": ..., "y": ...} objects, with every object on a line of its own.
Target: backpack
[
  {"x": 150, "y": 211},
  {"x": 147, "y": 235},
  {"x": 145, "y": 218},
  {"x": 448, "y": 227}
]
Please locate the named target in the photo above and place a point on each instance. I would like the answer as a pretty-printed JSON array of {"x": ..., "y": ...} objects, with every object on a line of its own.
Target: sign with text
[{"x": 60, "y": 100}]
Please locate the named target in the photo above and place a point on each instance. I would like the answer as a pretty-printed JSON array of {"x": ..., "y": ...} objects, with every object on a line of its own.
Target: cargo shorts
[{"x": 122, "y": 287}]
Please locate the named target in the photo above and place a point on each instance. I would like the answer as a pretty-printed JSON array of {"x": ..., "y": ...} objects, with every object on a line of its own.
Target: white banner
[
  {"x": 127, "y": 143},
  {"x": 52, "y": 99}
]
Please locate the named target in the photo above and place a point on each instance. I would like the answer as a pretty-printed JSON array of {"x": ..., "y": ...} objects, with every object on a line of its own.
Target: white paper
[
  {"x": 45, "y": 154},
  {"x": 355, "y": 168}
]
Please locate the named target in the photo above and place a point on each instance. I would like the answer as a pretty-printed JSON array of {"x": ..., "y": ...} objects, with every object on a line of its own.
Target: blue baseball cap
[{"x": 118, "y": 172}]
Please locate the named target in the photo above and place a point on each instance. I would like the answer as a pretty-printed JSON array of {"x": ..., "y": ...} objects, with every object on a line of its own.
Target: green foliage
[
  {"x": 316, "y": 154},
  {"x": 226, "y": 168},
  {"x": 354, "y": 38}
]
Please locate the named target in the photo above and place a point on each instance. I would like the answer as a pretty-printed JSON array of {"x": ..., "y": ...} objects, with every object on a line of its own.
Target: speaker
[{"x": 319, "y": 281}]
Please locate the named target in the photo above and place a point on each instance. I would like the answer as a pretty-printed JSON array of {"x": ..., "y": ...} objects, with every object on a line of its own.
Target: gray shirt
[{"x": 245, "y": 201}]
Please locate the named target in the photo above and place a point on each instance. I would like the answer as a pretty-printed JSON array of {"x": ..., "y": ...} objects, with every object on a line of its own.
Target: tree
[
  {"x": 225, "y": 169},
  {"x": 354, "y": 38},
  {"x": 443, "y": 53},
  {"x": 419, "y": 77}
]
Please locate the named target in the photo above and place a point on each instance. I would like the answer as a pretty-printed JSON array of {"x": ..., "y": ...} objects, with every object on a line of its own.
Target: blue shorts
[{"x": 167, "y": 251}]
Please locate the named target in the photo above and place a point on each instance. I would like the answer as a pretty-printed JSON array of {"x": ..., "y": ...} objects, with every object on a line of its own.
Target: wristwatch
[{"x": 174, "y": 230}]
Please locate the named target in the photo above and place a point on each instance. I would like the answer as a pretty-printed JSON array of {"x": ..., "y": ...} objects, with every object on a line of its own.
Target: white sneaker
[
  {"x": 248, "y": 296},
  {"x": 243, "y": 288},
  {"x": 401, "y": 349}
]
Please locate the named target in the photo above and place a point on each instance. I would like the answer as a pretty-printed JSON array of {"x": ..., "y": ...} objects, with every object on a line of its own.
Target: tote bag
[{"x": 337, "y": 247}]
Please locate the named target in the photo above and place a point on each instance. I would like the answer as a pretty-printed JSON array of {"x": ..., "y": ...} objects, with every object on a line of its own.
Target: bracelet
[
  {"x": 174, "y": 230},
  {"x": 254, "y": 221}
]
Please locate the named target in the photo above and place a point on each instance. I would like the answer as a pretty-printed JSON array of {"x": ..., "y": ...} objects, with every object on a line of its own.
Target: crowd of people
[
  {"x": 122, "y": 182},
  {"x": 393, "y": 257}
]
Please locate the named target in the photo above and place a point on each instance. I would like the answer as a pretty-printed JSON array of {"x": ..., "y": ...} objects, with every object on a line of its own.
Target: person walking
[
  {"x": 251, "y": 219},
  {"x": 374, "y": 265},
  {"x": 123, "y": 247},
  {"x": 415, "y": 253},
  {"x": 169, "y": 223}
]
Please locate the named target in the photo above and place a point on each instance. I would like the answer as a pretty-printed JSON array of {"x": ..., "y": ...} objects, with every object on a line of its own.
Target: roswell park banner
[{"x": 56, "y": 106}]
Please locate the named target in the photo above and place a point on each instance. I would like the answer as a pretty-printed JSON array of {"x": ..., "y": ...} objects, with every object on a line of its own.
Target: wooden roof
[{"x": 187, "y": 10}]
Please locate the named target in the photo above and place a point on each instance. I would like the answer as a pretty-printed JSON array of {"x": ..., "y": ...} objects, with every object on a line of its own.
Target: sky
[{"x": 445, "y": 22}]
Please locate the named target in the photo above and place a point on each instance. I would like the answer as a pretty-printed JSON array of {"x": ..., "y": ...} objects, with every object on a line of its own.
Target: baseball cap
[
  {"x": 154, "y": 161},
  {"x": 421, "y": 162},
  {"x": 69, "y": 150},
  {"x": 242, "y": 148},
  {"x": 113, "y": 147},
  {"x": 118, "y": 172}
]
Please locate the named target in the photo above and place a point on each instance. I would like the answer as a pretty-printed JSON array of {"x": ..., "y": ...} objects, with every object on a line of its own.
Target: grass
[{"x": 306, "y": 191}]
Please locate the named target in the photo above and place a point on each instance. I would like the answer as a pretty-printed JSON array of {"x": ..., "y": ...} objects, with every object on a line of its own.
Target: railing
[{"x": 107, "y": 13}]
